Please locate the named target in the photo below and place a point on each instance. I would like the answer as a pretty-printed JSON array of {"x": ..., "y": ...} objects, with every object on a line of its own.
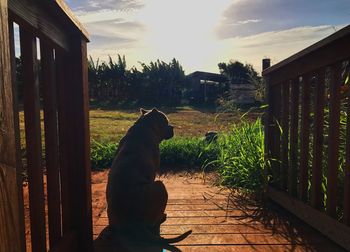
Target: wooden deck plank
[
  {"x": 222, "y": 220},
  {"x": 177, "y": 229}
]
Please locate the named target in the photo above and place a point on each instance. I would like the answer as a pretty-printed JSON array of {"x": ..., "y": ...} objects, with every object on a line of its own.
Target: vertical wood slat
[
  {"x": 51, "y": 143},
  {"x": 64, "y": 146},
  {"x": 316, "y": 184},
  {"x": 276, "y": 135},
  {"x": 81, "y": 207},
  {"x": 333, "y": 142},
  {"x": 294, "y": 121},
  {"x": 33, "y": 140},
  {"x": 304, "y": 138},
  {"x": 268, "y": 126},
  {"x": 277, "y": 131},
  {"x": 12, "y": 236},
  {"x": 347, "y": 165},
  {"x": 285, "y": 135},
  {"x": 21, "y": 224}
]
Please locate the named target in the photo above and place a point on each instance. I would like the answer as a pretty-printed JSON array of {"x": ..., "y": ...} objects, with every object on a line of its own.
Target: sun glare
[{"x": 183, "y": 29}]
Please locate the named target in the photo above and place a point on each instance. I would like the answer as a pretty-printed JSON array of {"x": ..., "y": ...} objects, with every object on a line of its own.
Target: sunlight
[{"x": 183, "y": 29}]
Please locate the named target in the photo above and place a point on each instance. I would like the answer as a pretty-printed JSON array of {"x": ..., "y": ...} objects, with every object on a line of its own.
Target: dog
[{"x": 136, "y": 202}]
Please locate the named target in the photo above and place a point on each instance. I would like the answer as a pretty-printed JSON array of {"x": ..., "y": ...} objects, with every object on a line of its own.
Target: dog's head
[{"x": 159, "y": 122}]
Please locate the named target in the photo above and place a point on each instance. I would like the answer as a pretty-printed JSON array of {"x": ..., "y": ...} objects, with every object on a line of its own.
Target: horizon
[{"x": 202, "y": 33}]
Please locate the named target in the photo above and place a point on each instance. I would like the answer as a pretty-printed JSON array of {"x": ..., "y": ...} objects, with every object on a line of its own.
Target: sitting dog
[{"x": 136, "y": 202}]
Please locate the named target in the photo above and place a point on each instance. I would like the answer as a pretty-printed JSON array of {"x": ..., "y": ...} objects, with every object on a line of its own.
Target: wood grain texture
[
  {"x": 35, "y": 17},
  {"x": 330, "y": 227},
  {"x": 51, "y": 143},
  {"x": 304, "y": 138},
  {"x": 31, "y": 103},
  {"x": 333, "y": 141},
  {"x": 285, "y": 134},
  {"x": 294, "y": 122},
  {"x": 64, "y": 137},
  {"x": 11, "y": 204},
  {"x": 276, "y": 134},
  {"x": 347, "y": 168},
  {"x": 83, "y": 207},
  {"x": 316, "y": 183},
  {"x": 75, "y": 144},
  {"x": 323, "y": 53},
  {"x": 268, "y": 121},
  {"x": 241, "y": 226},
  {"x": 69, "y": 14}
]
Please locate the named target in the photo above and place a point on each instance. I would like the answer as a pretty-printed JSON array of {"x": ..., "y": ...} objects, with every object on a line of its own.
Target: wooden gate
[
  {"x": 308, "y": 135},
  {"x": 57, "y": 83}
]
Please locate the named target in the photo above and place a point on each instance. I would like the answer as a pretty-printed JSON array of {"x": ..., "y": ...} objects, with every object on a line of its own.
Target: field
[{"x": 111, "y": 125}]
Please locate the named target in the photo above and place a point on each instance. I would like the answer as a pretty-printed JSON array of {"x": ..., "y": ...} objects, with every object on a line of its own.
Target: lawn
[{"x": 111, "y": 125}]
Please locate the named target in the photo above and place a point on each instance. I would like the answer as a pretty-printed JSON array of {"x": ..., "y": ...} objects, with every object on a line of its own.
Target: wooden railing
[
  {"x": 57, "y": 83},
  {"x": 307, "y": 131}
]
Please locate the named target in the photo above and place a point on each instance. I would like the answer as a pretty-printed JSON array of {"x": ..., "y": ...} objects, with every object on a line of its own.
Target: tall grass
[{"x": 240, "y": 162}]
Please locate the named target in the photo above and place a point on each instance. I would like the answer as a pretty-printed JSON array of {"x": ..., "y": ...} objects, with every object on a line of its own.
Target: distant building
[
  {"x": 242, "y": 93},
  {"x": 205, "y": 87},
  {"x": 208, "y": 87}
]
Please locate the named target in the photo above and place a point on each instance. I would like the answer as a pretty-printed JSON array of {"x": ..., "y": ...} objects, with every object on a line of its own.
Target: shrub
[
  {"x": 102, "y": 154},
  {"x": 190, "y": 153}
]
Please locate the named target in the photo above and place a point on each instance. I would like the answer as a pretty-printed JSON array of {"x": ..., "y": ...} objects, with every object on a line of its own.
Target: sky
[{"x": 202, "y": 33}]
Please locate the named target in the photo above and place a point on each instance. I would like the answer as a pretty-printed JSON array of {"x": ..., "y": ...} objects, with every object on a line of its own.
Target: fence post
[
  {"x": 268, "y": 121},
  {"x": 334, "y": 132},
  {"x": 31, "y": 103},
  {"x": 79, "y": 113},
  {"x": 11, "y": 202},
  {"x": 304, "y": 137},
  {"x": 285, "y": 134},
  {"x": 294, "y": 121},
  {"x": 316, "y": 184}
]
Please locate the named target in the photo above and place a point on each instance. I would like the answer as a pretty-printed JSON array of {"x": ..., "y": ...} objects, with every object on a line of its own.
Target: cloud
[
  {"x": 278, "y": 15},
  {"x": 249, "y": 21},
  {"x": 202, "y": 33},
  {"x": 93, "y": 5},
  {"x": 276, "y": 45},
  {"x": 116, "y": 32}
]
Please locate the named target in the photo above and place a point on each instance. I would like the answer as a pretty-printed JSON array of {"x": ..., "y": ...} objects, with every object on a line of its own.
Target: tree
[
  {"x": 158, "y": 83},
  {"x": 237, "y": 72}
]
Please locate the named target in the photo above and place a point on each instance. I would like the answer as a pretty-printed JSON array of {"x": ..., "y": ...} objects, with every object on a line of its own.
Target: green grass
[{"x": 240, "y": 162}]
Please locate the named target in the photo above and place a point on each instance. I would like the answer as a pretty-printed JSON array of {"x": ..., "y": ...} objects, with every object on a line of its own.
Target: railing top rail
[
  {"x": 62, "y": 6},
  {"x": 51, "y": 17},
  {"x": 313, "y": 48}
]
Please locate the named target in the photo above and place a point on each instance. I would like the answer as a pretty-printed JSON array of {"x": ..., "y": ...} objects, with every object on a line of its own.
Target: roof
[{"x": 208, "y": 76}]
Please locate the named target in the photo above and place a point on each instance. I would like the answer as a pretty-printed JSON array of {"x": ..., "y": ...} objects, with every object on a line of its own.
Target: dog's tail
[
  {"x": 144, "y": 234},
  {"x": 177, "y": 238},
  {"x": 147, "y": 235}
]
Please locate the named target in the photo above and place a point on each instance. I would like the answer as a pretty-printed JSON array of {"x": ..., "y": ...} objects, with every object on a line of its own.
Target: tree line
[{"x": 155, "y": 83}]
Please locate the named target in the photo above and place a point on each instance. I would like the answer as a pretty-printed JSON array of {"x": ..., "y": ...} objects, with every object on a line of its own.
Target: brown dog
[{"x": 136, "y": 202}]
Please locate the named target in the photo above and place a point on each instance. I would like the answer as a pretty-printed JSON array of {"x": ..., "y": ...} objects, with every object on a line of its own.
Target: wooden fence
[
  {"x": 61, "y": 74},
  {"x": 308, "y": 135}
]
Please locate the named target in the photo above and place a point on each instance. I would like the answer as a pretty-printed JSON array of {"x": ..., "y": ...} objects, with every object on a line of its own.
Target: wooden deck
[{"x": 223, "y": 220}]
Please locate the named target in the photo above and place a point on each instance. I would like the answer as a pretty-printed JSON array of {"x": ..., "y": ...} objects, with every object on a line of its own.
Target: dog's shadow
[{"x": 107, "y": 241}]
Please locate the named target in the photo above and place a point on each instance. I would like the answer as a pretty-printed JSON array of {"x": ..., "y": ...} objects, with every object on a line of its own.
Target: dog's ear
[{"x": 143, "y": 111}]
